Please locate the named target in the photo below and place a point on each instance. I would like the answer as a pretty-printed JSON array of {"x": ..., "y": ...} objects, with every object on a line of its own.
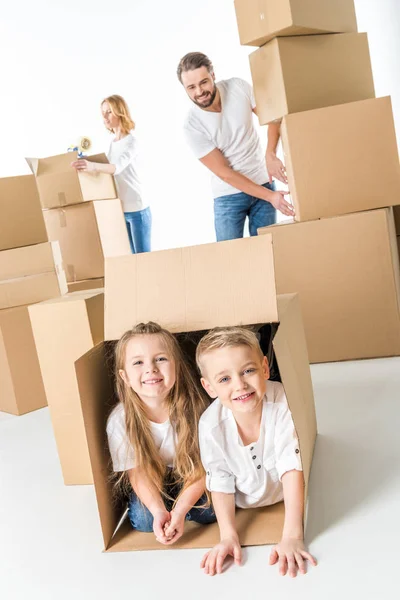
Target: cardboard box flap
[
  {"x": 193, "y": 288},
  {"x": 59, "y": 163},
  {"x": 96, "y": 393},
  {"x": 100, "y": 158},
  {"x": 33, "y": 164}
]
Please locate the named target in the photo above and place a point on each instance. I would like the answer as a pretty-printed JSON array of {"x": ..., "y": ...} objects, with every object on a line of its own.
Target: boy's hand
[
  {"x": 214, "y": 559},
  {"x": 161, "y": 520},
  {"x": 174, "y": 528},
  {"x": 292, "y": 555}
]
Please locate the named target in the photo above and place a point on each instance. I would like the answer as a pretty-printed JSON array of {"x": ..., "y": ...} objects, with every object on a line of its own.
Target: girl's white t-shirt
[
  {"x": 121, "y": 450},
  {"x": 232, "y": 131},
  {"x": 125, "y": 156}
]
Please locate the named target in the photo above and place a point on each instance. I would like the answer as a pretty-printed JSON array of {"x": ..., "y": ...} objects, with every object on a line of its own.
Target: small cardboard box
[
  {"x": 86, "y": 284},
  {"x": 21, "y": 384},
  {"x": 332, "y": 153},
  {"x": 306, "y": 72},
  {"x": 346, "y": 271},
  {"x": 172, "y": 288},
  {"x": 21, "y": 222},
  {"x": 88, "y": 233},
  {"x": 261, "y": 20},
  {"x": 59, "y": 184},
  {"x": 63, "y": 330},
  {"x": 31, "y": 274}
]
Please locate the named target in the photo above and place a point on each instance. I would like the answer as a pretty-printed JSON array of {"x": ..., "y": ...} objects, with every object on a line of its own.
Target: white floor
[{"x": 50, "y": 541}]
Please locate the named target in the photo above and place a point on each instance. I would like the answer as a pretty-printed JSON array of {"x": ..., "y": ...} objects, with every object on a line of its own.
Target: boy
[{"x": 248, "y": 446}]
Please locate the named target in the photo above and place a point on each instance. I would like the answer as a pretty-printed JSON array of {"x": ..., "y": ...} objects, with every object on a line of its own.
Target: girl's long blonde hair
[
  {"x": 120, "y": 109},
  {"x": 186, "y": 402}
]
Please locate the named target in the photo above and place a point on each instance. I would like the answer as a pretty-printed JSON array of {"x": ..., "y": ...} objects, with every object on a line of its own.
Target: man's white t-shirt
[
  {"x": 232, "y": 131},
  {"x": 121, "y": 450},
  {"x": 125, "y": 156}
]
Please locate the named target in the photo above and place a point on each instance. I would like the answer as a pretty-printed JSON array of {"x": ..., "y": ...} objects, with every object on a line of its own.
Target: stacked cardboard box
[
  {"x": 341, "y": 158},
  {"x": 30, "y": 271},
  {"x": 82, "y": 212}
]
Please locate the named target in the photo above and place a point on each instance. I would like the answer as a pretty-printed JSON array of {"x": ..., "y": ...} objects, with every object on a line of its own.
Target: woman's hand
[
  {"x": 83, "y": 165},
  {"x": 214, "y": 559},
  {"x": 292, "y": 556}
]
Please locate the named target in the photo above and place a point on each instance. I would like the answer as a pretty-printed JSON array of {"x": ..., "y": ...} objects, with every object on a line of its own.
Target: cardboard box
[
  {"x": 307, "y": 72},
  {"x": 169, "y": 287},
  {"x": 396, "y": 212},
  {"x": 59, "y": 184},
  {"x": 88, "y": 233},
  {"x": 63, "y": 330},
  {"x": 346, "y": 271},
  {"x": 261, "y": 20},
  {"x": 21, "y": 384},
  {"x": 86, "y": 284},
  {"x": 21, "y": 222},
  {"x": 332, "y": 153}
]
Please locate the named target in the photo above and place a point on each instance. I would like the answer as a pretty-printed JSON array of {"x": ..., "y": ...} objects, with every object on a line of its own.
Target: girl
[
  {"x": 123, "y": 159},
  {"x": 152, "y": 433}
]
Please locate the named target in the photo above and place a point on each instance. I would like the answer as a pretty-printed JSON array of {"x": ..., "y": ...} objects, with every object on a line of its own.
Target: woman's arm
[{"x": 92, "y": 167}]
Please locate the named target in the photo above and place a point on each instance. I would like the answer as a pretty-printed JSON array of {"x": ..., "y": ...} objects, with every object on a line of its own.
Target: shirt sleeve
[
  {"x": 198, "y": 141},
  {"x": 122, "y": 454},
  {"x": 247, "y": 89},
  {"x": 219, "y": 478},
  {"x": 127, "y": 156},
  {"x": 287, "y": 451}
]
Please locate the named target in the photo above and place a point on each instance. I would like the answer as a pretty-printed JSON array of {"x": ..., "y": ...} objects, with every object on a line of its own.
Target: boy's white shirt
[
  {"x": 232, "y": 131},
  {"x": 254, "y": 472},
  {"x": 122, "y": 453}
]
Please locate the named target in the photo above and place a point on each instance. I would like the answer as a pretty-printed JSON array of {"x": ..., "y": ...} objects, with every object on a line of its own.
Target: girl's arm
[{"x": 185, "y": 502}]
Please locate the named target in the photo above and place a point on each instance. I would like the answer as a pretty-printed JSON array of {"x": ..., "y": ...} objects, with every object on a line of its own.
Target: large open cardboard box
[
  {"x": 189, "y": 290},
  {"x": 21, "y": 384},
  {"x": 330, "y": 154},
  {"x": 88, "y": 233},
  {"x": 261, "y": 20},
  {"x": 21, "y": 222},
  {"x": 59, "y": 184},
  {"x": 293, "y": 74},
  {"x": 63, "y": 330},
  {"x": 346, "y": 271}
]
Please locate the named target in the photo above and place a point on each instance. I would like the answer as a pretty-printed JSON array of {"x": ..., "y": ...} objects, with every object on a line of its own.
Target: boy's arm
[{"x": 149, "y": 495}]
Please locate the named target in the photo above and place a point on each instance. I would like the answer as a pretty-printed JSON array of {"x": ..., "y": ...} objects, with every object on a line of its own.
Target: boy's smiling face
[{"x": 237, "y": 375}]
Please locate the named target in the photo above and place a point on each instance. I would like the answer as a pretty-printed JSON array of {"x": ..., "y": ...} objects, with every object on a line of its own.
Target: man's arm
[
  {"x": 217, "y": 163},
  {"x": 275, "y": 166}
]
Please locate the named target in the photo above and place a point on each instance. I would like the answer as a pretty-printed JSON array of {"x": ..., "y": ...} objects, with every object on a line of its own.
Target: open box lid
[
  {"x": 193, "y": 288},
  {"x": 59, "y": 163}
]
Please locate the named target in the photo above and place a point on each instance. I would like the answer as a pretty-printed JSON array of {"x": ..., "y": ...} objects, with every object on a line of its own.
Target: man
[{"x": 220, "y": 130}]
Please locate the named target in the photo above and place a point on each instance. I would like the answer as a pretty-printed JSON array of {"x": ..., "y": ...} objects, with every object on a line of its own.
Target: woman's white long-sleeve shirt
[{"x": 124, "y": 155}]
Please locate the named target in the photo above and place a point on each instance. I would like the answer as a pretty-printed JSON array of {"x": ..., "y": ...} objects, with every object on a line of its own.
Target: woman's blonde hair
[
  {"x": 120, "y": 109},
  {"x": 225, "y": 337},
  {"x": 186, "y": 402}
]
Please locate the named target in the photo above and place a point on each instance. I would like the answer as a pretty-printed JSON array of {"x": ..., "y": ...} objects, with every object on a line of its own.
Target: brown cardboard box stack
[
  {"x": 313, "y": 71},
  {"x": 30, "y": 271},
  {"x": 82, "y": 212}
]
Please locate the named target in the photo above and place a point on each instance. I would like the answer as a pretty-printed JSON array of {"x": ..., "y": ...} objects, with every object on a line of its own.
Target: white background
[{"x": 60, "y": 59}]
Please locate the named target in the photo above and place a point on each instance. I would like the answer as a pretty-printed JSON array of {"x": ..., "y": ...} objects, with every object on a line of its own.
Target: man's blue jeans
[
  {"x": 230, "y": 214},
  {"x": 138, "y": 224}
]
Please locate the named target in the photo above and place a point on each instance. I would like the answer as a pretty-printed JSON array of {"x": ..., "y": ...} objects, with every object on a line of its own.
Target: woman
[{"x": 123, "y": 156}]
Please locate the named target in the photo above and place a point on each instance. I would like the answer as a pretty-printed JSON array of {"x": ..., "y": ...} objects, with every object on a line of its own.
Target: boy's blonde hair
[
  {"x": 186, "y": 404},
  {"x": 226, "y": 337}
]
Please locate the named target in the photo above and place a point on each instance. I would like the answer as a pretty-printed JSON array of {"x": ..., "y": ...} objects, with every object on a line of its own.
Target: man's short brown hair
[{"x": 192, "y": 61}]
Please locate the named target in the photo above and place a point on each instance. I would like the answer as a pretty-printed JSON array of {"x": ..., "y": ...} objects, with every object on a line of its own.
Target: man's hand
[
  {"x": 275, "y": 167},
  {"x": 292, "y": 557},
  {"x": 174, "y": 528},
  {"x": 277, "y": 200},
  {"x": 214, "y": 559},
  {"x": 160, "y": 522},
  {"x": 83, "y": 165}
]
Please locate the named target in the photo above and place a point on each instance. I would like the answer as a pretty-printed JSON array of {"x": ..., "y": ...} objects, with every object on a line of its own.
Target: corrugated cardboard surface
[
  {"x": 331, "y": 155},
  {"x": 63, "y": 331},
  {"x": 86, "y": 284},
  {"x": 21, "y": 222},
  {"x": 346, "y": 271},
  {"x": 232, "y": 301},
  {"x": 300, "y": 73},
  {"x": 59, "y": 184},
  {"x": 30, "y": 260},
  {"x": 261, "y": 20},
  {"x": 35, "y": 288},
  {"x": 88, "y": 233},
  {"x": 21, "y": 384}
]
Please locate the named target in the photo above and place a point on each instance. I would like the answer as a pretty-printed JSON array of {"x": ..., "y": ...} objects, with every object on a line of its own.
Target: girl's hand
[
  {"x": 292, "y": 555},
  {"x": 160, "y": 522},
  {"x": 214, "y": 559},
  {"x": 83, "y": 165},
  {"x": 174, "y": 529}
]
